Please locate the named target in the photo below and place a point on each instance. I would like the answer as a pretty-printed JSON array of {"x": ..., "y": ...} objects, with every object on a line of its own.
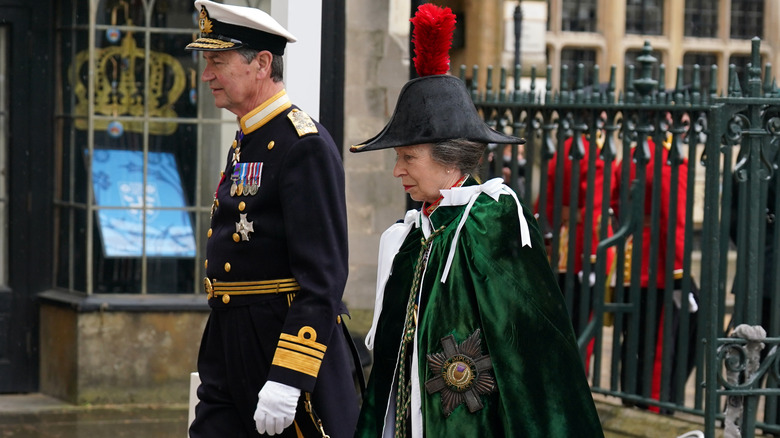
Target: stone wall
[
  {"x": 118, "y": 357},
  {"x": 376, "y": 69}
]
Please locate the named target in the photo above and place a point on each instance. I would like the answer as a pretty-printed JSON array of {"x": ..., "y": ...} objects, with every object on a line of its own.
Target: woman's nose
[{"x": 398, "y": 170}]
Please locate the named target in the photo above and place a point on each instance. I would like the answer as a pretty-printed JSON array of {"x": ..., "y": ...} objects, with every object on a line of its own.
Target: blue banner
[{"x": 117, "y": 177}]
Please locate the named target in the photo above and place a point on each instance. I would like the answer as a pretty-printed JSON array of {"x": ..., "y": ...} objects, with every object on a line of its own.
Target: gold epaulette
[{"x": 303, "y": 124}]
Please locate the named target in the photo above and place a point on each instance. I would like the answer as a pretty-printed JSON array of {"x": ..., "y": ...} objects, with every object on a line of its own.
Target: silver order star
[
  {"x": 461, "y": 374},
  {"x": 244, "y": 227}
]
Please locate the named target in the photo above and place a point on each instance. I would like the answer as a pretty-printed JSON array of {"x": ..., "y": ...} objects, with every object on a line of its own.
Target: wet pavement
[{"x": 40, "y": 416}]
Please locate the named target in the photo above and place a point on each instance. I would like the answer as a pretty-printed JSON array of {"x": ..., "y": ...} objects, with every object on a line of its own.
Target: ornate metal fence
[{"x": 658, "y": 206}]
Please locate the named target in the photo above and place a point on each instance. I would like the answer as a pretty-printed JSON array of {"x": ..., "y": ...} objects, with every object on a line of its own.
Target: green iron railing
[{"x": 659, "y": 195}]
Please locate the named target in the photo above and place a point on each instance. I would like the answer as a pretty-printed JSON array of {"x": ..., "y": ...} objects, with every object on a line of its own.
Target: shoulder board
[{"x": 302, "y": 122}]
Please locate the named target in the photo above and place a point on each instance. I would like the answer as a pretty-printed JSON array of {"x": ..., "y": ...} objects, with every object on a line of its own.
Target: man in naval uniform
[{"x": 274, "y": 358}]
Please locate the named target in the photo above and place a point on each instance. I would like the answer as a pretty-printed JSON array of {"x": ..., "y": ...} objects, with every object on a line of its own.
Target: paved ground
[{"x": 39, "y": 416}]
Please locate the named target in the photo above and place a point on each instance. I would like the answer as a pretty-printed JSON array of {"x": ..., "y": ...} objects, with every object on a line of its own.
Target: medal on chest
[{"x": 246, "y": 179}]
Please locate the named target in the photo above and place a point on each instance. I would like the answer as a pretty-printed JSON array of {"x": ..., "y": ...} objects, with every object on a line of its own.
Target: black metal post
[{"x": 518, "y": 16}]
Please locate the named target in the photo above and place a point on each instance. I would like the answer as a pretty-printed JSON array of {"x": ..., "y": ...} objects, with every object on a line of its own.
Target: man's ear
[{"x": 263, "y": 60}]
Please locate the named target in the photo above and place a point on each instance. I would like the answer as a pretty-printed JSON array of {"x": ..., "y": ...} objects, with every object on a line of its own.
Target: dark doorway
[{"x": 26, "y": 180}]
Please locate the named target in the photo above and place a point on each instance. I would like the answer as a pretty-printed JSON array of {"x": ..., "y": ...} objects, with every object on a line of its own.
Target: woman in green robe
[{"x": 470, "y": 334}]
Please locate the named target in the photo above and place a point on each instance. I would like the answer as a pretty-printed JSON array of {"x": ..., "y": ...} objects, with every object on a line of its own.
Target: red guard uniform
[{"x": 666, "y": 187}]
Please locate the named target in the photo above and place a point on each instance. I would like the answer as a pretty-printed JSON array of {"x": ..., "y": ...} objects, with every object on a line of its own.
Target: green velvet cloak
[{"x": 509, "y": 293}]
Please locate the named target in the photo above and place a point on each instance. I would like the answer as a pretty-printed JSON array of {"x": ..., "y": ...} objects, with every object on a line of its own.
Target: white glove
[
  {"x": 677, "y": 298},
  {"x": 276, "y": 403}
]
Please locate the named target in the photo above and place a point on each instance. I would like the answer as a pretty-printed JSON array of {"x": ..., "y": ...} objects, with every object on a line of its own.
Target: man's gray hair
[
  {"x": 277, "y": 62},
  {"x": 463, "y": 154}
]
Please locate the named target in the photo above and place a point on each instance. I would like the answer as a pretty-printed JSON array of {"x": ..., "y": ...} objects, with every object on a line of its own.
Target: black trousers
[{"x": 236, "y": 351}]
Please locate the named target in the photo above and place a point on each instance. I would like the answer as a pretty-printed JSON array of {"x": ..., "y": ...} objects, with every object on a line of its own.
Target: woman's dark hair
[
  {"x": 277, "y": 62},
  {"x": 463, "y": 154}
]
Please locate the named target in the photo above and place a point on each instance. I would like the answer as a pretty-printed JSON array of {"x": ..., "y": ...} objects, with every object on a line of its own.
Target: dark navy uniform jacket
[{"x": 293, "y": 226}]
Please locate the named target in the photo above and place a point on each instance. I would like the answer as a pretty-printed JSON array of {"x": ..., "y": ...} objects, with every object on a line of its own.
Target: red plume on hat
[{"x": 432, "y": 38}]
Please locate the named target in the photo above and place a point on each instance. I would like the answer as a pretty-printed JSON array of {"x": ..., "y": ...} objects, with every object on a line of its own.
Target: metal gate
[{"x": 658, "y": 205}]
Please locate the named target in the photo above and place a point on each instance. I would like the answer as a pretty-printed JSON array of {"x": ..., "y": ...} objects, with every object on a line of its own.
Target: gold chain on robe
[{"x": 404, "y": 384}]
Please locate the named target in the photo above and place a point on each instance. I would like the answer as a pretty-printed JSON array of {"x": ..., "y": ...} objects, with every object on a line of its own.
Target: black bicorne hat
[{"x": 433, "y": 109}]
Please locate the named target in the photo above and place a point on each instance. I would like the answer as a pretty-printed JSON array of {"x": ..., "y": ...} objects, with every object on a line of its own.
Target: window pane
[
  {"x": 701, "y": 18},
  {"x": 579, "y": 15},
  {"x": 705, "y": 61},
  {"x": 741, "y": 64},
  {"x": 644, "y": 17},
  {"x": 747, "y": 19},
  {"x": 573, "y": 58},
  {"x": 135, "y": 187}
]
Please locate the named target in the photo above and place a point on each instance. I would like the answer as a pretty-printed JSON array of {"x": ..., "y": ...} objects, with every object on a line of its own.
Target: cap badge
[{"x": 203, "y": 21}]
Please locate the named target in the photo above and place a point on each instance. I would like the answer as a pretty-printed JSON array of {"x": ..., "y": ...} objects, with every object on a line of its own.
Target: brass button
[
  {"x": 227, "y": 267},
  {"x": 235, "y": 144},
  {"x": 338, "y": 319},
  {"x": 207, "y": 286},
  {"x": 226, "y": 298},
  {"x": 216, "y": 201},
  {"x": 206, "y": 264},
  {"x": 271, "y": 145},
  {"x": 236, "y": 237},
  {"x": 241, "y": 206},
  {"x": 209, "y": 233}
]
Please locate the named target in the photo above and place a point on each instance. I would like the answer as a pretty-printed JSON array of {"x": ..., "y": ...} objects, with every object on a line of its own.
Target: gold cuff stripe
[
  {"x": 300, "y": 340},
  {"x": 296, "y": 361},
  {"x": 302, "y": 349}
]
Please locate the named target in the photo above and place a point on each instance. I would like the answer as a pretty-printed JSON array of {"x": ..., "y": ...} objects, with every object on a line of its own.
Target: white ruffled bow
[{"x": 393, "y": 237}]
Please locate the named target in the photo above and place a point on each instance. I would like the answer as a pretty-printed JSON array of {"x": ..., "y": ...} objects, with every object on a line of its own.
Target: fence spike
[
  {"x": 679, "y": 88},
  {"x": 502, "y": 85},
  {"x": 548, "y": 96},
  {"x": 735, "y": 89},
  {"x": 629, "y": 84},
  {"x": 612, "y": 84},
  {"x": 474, "y": 77},
  {"x": 754, "y": 69},
  {"x": 489, "y": 84},
  {"x": 714, "y": 83},
  {"x": 564, "y": 87},
  {"x": 662, "y": 94}
]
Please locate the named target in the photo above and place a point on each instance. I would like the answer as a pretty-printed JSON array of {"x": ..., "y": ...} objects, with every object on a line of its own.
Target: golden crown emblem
[{"x": 120, "y": 92}]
